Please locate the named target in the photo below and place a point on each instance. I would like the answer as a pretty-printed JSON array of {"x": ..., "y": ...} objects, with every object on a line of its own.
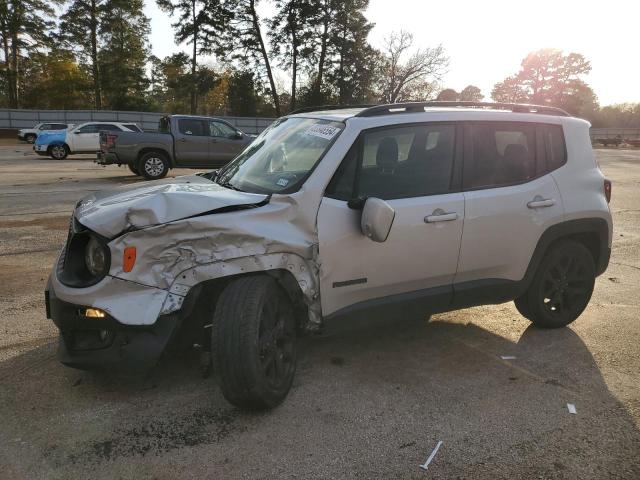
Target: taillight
[
  {"x": 607, "y": 190},
  {"x": 108, "y": 140}
]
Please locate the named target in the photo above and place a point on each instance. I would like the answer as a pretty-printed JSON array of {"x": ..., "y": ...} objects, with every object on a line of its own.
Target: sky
[{"x": 487, "y": 39}]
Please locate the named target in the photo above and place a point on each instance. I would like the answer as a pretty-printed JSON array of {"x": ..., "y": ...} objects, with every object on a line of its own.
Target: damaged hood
[{"x": 112, "y": 212}]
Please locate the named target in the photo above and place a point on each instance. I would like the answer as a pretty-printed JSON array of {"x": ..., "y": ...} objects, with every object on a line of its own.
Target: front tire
[
  {"x": 153, "y": 166},
  {"x": 561, "y": 288},
  {"x": 59, "y": 152},
  {"x": 253, "y": 341}
]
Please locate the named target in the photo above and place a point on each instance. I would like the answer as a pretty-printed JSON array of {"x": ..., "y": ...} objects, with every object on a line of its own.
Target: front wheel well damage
[{"x": 199, "y": 306}]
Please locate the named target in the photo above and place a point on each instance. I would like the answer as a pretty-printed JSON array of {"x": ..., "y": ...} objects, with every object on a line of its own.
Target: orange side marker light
[{"x": 129, "y": 259}]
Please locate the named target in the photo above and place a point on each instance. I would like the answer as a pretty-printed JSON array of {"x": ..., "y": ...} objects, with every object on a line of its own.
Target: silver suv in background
[{"x": 335, "y": 215}]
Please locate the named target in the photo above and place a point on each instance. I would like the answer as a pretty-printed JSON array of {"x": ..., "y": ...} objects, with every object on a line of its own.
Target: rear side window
[
  {"x": 109, "y": 127},
  {"x": 133, "y": 127},
  {"x": 502, "y": 154},
  {"x": 397, "y": 162},
  {"x": 188, "y": 126},
  {"x": 555, "y": 146}
]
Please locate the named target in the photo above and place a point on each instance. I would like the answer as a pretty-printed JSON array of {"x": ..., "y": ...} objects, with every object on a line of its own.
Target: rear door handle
[
  {"x": 182, "y": 140},
  {"x": 539, "y": 202},
  {"x": 440, "y": 215}
]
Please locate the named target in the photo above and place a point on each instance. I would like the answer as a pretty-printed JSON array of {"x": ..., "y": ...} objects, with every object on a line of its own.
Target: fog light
[
  {"x": 94, "y": 313},
  {"x": 103, "y": 334}
]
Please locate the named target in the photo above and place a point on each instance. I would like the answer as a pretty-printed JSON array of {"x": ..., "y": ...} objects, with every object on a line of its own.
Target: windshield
[{"x": 282, "y": 157}]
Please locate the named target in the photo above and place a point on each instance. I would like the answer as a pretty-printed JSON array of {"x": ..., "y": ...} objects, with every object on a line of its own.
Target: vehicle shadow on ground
[{"x": 402, "y": 385}]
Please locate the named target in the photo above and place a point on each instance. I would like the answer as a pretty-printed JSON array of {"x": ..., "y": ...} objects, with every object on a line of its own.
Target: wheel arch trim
[{"x": 572, "y": 229}]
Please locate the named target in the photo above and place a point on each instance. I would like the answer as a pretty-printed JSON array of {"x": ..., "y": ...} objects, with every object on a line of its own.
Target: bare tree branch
[{"x": 418, "y": 74}]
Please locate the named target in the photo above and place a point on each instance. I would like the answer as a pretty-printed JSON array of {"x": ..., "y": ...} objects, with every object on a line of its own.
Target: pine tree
[
  {"x": 245, "y": 38},
  {"x": 199, "y": 23},
  {"x": 79, "y": 29},
  {"x": 355, "y": 63},
  {"x": 24, "y": 27},
  {"x": 124, "y": 55},
  {"x": 291, "y": 34}
]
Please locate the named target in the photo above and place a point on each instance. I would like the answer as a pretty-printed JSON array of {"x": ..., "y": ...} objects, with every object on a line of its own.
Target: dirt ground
[{"x": 366, "y": 404}]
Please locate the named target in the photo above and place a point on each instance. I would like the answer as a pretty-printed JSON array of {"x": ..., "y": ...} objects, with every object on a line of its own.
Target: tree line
[{"x": 73, "y": 54}]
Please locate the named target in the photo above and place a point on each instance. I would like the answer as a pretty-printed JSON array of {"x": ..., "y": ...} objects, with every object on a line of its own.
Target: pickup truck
[{"x": 182, "y": 141}]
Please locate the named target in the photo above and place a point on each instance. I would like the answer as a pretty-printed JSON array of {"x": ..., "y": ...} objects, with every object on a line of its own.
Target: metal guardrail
[
  {"x": 13, "y": 119},
  {"x": 624, "y": 133}
]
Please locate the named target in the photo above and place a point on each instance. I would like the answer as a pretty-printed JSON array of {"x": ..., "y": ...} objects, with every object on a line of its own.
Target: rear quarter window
[{"x": 555, "y": 146}]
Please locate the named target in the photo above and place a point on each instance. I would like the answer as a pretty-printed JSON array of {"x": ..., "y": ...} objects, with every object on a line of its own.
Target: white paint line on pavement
[
  {"x": 507, "y": 357},
  {"x": 572, "y": 408}
]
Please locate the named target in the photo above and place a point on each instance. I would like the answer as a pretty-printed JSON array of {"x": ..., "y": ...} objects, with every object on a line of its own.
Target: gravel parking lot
[{"x": 365, "y": 404}]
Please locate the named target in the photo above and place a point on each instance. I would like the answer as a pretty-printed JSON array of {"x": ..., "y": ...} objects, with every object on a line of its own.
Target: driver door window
[
  {"x": 91, "y": 128},
  {"x": 219, "y": 129},
  {"x": 397, "y": 163},
  {"x": 412, "y": 168}
]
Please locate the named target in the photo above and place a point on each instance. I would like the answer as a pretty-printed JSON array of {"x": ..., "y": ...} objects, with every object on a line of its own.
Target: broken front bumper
[{"x": 105, "y": 343}]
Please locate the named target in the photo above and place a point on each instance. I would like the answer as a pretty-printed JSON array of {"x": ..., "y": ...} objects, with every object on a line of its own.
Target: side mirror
[
  {"x": 377, "y": 219},
  {"x": 238, "y": 135}
]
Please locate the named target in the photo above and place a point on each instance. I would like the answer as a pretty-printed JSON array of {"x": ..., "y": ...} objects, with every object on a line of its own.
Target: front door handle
[
  {"x": 182, "y": 140},
  {"x": 440, "y": 215},
  {"x": 539, "y": 202}
]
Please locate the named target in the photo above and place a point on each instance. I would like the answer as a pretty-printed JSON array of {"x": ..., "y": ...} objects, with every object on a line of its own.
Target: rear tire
[
  {"x": 133, "y": 169},
  {"x": 30, "y": 138},
  {"x": 59, "y": 152},
  {"x": 561, "y": 288},
  {"x": 153, "y": 165},
  {"x": 253, "y": 342}
]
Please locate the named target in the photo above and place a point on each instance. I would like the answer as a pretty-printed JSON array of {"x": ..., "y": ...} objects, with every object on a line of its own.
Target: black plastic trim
[
  {"x": 476, "y": 292},
  {"x": 127, "y": 348}
]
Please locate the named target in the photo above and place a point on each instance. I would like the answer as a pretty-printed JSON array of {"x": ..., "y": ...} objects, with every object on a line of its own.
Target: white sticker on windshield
[
  {"x": 323, "y": 131},
  {"x": 283, "y": 182}
]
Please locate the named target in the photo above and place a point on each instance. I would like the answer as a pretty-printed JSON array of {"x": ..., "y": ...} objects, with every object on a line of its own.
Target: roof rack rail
[
  {"x": 321, "y": 108},
  {"x": 414, "y": 107}
]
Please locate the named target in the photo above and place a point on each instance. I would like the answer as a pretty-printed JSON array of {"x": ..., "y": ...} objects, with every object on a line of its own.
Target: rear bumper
[
  {"x": 105, "y": 343},
  {"x": 107, "y": 158}
]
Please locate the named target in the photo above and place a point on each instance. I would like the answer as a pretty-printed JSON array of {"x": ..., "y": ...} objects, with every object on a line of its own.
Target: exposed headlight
[{"x": 95, "y": 257}]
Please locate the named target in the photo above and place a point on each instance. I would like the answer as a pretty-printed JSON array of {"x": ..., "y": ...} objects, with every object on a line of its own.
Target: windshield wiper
[{"x": 230, "y": 186}]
